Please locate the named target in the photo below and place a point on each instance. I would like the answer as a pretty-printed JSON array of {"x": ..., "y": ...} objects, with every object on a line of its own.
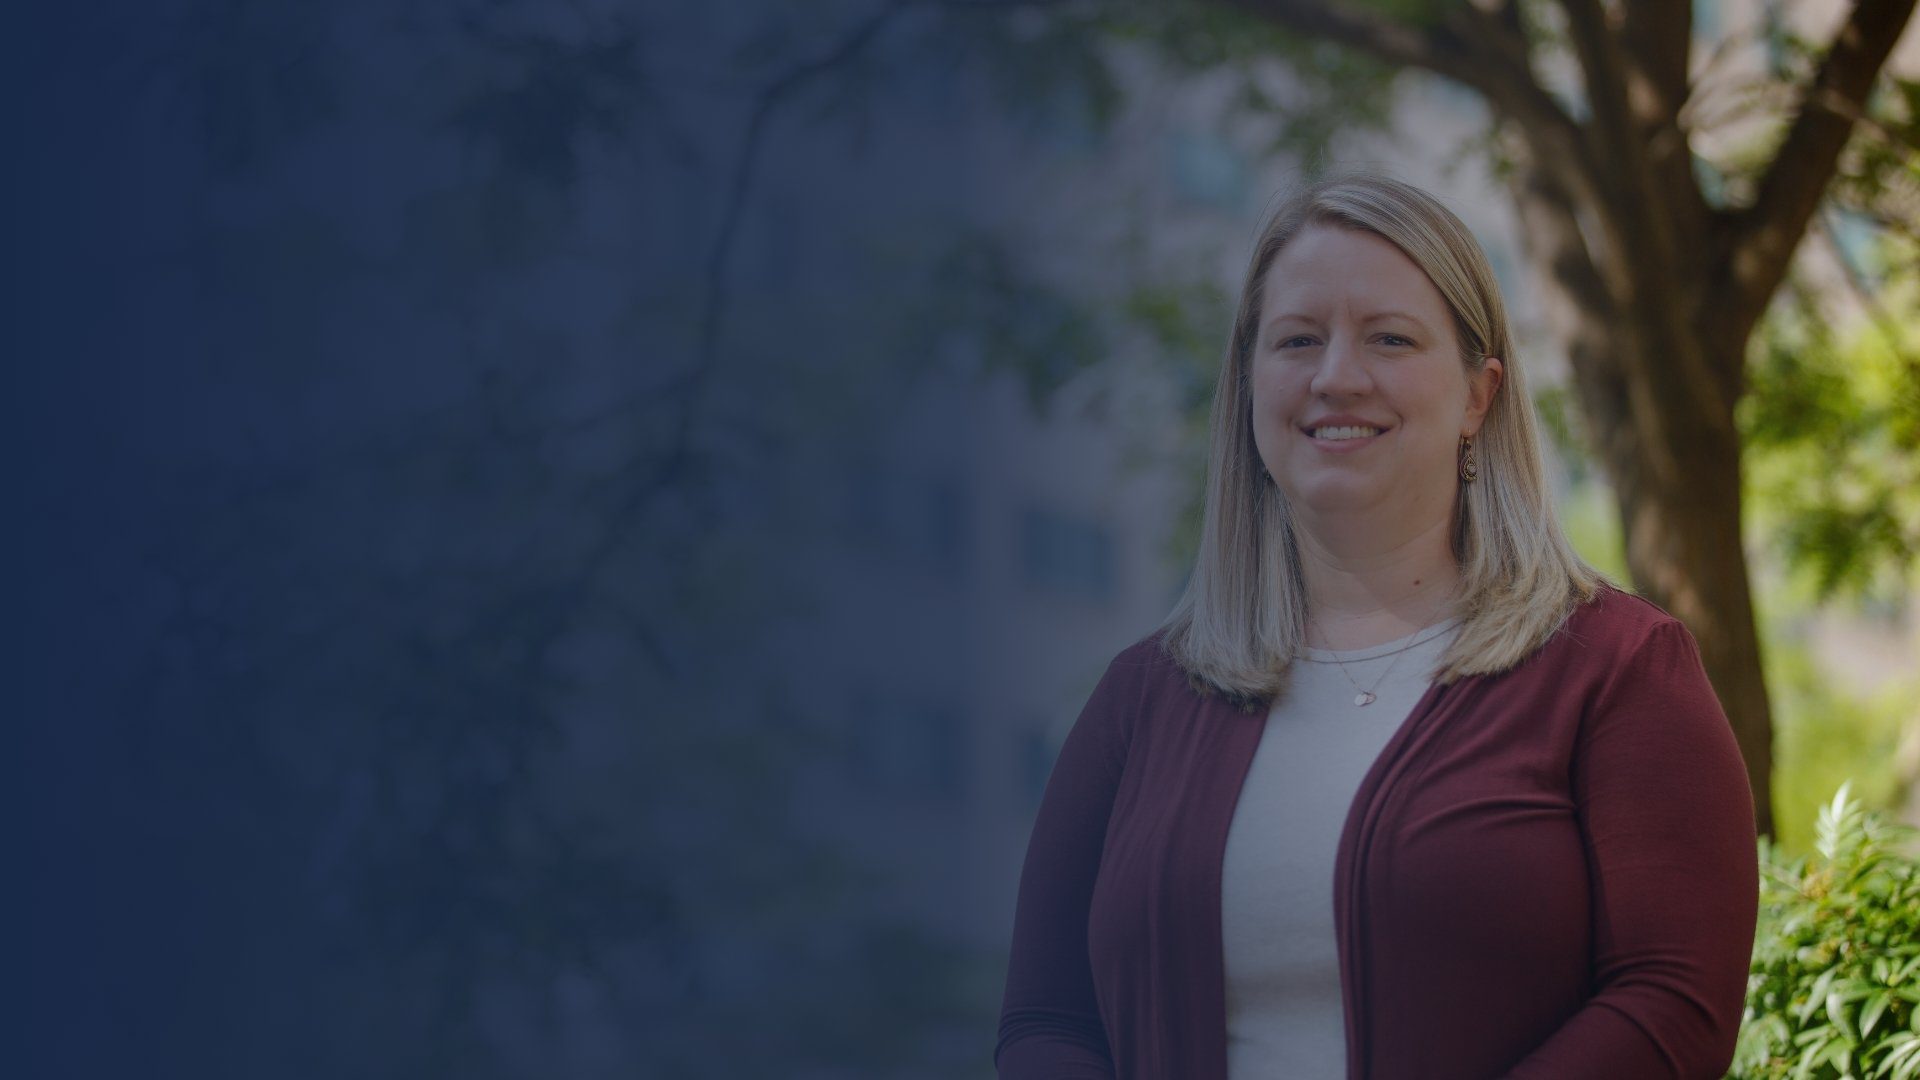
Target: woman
[{"x": 1402, "y": 788}]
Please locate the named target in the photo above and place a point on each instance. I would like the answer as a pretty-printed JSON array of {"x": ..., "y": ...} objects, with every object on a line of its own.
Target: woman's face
[{"x": 1359, "y": 395}]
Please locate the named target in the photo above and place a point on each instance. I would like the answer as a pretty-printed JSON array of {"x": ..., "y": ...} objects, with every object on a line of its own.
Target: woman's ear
[{"x": 1482, "y": 385}]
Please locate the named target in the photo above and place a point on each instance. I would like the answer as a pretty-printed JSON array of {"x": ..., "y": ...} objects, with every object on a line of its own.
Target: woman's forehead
[
  {"x": 1325, "y": 266},
  {"x": 1327, "y": 259}
]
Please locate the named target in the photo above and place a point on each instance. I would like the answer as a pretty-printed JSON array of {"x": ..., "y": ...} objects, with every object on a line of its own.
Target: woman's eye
[
  {"x": 1394, "y": 339},
  {"x": 1295, "y": 342}
]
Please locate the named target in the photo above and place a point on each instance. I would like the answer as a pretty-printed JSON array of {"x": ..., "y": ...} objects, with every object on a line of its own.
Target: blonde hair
[{"x": 1243, "y": 615}]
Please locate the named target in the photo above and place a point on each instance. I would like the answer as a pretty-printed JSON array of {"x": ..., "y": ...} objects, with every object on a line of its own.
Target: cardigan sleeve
[
  {"x": 1667, "y": 816},
  {"x": 1050, "y": 1026}
]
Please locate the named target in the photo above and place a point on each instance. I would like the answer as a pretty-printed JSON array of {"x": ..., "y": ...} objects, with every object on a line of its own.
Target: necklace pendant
[{"x": 1364, "y": 697}]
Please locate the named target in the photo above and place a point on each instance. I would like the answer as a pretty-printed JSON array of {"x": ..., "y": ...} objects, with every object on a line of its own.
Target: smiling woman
[
  {"x": 1360, "y": 395},
  {"x": 1401, "y": 788}
]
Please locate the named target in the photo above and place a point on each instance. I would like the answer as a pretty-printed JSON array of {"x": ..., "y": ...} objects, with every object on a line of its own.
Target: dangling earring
[{"x": 1467, "y": 471}]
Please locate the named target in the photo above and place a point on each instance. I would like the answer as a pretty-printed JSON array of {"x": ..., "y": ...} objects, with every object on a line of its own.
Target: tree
[{"x": 1665, "y": 259}]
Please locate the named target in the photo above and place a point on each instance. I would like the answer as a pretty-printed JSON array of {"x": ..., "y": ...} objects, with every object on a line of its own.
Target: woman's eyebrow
[
  {"x": 1280, "y": 322},
  {"x": 1289, "y": 317},
  {"x": 1379, "y": 316}
]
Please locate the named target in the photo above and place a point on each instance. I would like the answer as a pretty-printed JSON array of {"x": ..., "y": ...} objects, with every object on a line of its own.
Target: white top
[{"x": 1284, "y": 1015}]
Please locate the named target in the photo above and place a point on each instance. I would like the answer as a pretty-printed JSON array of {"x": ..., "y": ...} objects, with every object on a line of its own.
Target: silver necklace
[{"x": 1364, "y": 695}]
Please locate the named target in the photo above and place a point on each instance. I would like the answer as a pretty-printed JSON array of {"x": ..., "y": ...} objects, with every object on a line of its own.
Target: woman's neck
[{"x": 1361, "y": 596}]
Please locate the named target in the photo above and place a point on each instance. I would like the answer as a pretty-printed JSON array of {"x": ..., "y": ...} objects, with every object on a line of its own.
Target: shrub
[{"x": 1834, "y": 991}]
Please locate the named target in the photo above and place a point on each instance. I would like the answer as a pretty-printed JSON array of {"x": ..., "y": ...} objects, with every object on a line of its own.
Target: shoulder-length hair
[{"x": 1242, "y": 619}]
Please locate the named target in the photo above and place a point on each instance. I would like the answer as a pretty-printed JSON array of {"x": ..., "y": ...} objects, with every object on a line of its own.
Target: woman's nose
[{"x": 1342, "y": 371}]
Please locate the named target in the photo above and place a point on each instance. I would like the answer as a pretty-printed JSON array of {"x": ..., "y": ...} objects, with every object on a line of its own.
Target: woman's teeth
[{"x": 1334, "y": 433}]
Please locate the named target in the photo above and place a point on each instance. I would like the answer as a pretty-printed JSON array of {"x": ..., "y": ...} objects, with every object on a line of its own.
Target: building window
[{"x": 1067, "y": 554}]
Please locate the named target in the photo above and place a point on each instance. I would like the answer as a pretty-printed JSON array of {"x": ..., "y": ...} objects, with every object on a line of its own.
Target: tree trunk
[
  {"x": 1684, "y": 550},
  {"x": 1673, "y": 457}
]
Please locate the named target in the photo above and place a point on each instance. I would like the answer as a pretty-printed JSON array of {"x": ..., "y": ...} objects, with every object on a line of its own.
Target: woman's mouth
[{"x": 1342, "y": 432}]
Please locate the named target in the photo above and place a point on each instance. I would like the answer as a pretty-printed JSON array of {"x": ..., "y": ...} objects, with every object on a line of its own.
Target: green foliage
[
  {"x": 1832, "y": 428},
  {"x": 1592, "y": 523},
  {"x": 1834, "y": 990},
  {"x": 1586, "y": 507},
  {"x": 1824, "y": 733},
  {"x": 1879, "y": 176}
]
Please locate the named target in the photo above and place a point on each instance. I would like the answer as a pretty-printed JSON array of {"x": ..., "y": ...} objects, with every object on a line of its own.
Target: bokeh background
[{"x": 561, "y": 539}]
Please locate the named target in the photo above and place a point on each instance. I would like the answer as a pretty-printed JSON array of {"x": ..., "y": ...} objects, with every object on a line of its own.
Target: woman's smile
[{"x": 1343, "y": 435}]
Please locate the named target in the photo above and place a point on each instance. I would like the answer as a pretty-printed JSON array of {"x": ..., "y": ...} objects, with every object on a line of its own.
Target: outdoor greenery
[
  {"x": 1832, "y": 437},
  {"x": 1835, "y": 987},
  {"x": 1832, "y": 428}
]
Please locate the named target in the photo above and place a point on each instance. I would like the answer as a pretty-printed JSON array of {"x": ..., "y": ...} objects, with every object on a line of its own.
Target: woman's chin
[{"x": 1336, "y": 495}]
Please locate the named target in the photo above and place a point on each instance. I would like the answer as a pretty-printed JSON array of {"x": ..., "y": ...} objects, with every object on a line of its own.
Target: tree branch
[
  {"x": 1650, "y": 212},
  {"x": 1759, "y": 241},
  {"x": 713, "y": 305},
  {"x": 690, "y": 385},
  {"x": 1658, "y": 40},
  {"x": 1605, "y": 68},
  {"x": 1864, "y": 293},
  {"x": 1468, "y": 45},
  {"x": 1635, "y": 61},
  {"x": 1628, "y": 207},
  {"x": 1551, "y": 234}
]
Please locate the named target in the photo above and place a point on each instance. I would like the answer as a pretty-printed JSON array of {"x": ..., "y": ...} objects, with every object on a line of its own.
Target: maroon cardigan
[{"x": 1548, "y": 874}]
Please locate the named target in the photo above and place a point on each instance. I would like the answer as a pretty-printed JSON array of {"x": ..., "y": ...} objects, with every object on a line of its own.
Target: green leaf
[
  {"x": 1904, "y": 1060},
  {"x": 1811, "y": 1057},
  {"x": 1817, "y": 995},
  {"x": 1834, "y": 983},
  {"x": 1837, "y": 1012},
  {"x": 1877, "y": 1003}
]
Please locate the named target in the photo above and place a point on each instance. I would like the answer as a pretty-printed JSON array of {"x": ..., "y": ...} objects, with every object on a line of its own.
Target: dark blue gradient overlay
[{"x": 440, "y": 525}]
